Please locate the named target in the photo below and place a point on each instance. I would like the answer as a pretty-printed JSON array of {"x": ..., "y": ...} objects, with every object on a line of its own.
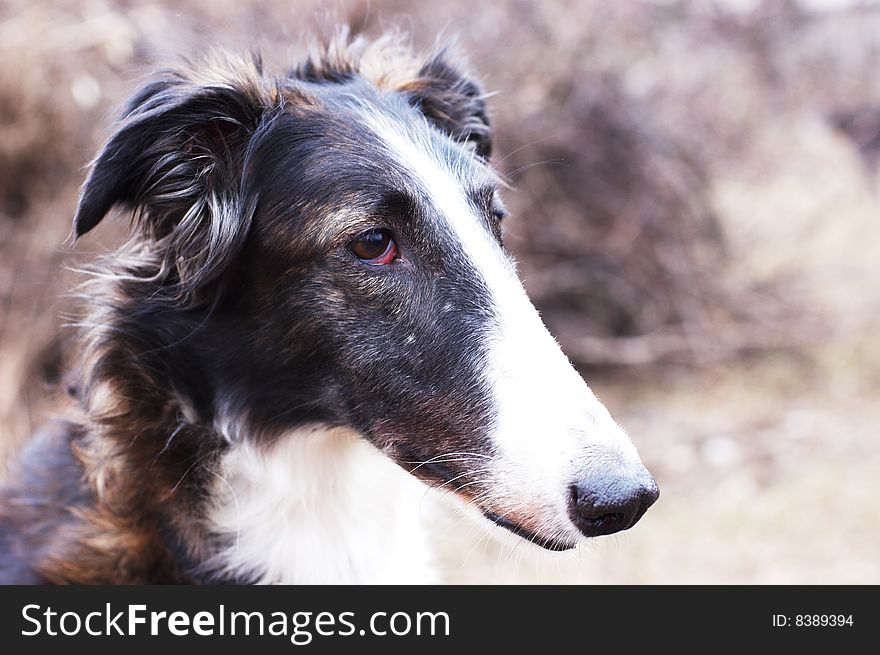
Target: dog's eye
[
  {"x": 375, "y": 246},
  {"x": 497, "y": 209}
]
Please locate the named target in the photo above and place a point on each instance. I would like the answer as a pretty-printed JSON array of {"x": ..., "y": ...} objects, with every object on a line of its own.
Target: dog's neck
[{"x": 319, "y": 505}]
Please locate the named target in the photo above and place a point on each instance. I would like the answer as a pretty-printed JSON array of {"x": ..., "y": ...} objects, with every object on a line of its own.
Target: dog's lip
[
  {"x": 528, "y": 535},
  {"x": 436, "y": 472}
]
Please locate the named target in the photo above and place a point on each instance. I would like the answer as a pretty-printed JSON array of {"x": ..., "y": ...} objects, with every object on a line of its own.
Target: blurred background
[{"x": 696, "y": 211}]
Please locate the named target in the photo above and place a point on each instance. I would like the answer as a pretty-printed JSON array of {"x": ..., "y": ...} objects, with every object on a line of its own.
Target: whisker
[
  {"x": 437, "y": 457},
  {"x": 191, "y": 467},
  {"x": 457, "y": 477},
  {"x": 523, "y": 147},
  {"x": 523, "y": 169},
  {"x": 237, "y": 508}
]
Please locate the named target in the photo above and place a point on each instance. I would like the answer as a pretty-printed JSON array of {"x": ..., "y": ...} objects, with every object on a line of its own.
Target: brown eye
[{"x": 374, "y": 246}]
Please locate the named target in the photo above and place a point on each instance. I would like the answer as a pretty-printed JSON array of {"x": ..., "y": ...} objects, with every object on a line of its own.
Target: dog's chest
[{"x": 319, "y": 506}]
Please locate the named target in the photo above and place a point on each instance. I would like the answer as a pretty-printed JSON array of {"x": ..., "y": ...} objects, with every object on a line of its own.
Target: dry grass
[{"x": 695, "y": 202}]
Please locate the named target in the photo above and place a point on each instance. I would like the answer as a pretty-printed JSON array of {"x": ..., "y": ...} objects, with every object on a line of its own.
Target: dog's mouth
[
  {"x": 528, "y": 535},
  {"x": 438, "y": 475}
]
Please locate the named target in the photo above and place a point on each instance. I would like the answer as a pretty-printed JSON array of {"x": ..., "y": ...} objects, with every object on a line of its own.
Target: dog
[{"x": 314, "y": 320}]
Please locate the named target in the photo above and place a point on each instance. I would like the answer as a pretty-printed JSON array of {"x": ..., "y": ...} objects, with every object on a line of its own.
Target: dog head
[{"x": 329, "y": 243}]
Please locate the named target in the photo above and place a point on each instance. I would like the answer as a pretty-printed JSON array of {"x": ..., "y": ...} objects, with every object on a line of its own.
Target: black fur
[{"x": 238, "y": 300}]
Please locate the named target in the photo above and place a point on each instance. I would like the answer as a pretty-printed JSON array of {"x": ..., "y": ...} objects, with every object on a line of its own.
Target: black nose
[{"x": 610, "y": 504}]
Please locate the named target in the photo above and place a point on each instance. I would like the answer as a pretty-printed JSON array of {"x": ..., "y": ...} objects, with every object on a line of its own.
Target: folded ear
[
  {"x": 176, "y": 160},
  {"x": 453, "y": 102}
]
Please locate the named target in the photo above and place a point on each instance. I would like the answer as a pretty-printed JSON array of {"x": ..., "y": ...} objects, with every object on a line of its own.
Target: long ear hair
[
  {"x": 453, "y": 102},
  {"x": 437, "y": 85},
  {"x": 177, "y": 161}
]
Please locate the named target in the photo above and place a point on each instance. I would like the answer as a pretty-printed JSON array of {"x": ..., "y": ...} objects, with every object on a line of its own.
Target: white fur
[
  {"x": 319, "y": 506},
  {"x": 550, "y": 428},
  {"x": 323, "y": 506}
]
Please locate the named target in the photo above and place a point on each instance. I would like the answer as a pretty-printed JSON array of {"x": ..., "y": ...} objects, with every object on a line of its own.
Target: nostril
[
  {"x": 589, "y": 507},
  {"x": 606, "y": 523}
]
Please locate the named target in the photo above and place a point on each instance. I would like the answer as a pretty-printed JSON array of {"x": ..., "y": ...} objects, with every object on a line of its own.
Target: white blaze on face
[{"x": 550, "y": 429}]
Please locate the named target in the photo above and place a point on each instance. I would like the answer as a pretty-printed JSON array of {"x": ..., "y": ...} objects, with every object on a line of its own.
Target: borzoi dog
[{"x": 314, "y": 319}]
